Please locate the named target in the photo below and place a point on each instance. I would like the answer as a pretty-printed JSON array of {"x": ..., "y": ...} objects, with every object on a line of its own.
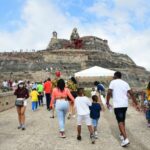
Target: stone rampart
[{"x": 7, "y": 100}]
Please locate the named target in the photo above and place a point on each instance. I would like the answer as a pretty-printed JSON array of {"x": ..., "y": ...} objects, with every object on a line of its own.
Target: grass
[{"x": 87, "y": 92}]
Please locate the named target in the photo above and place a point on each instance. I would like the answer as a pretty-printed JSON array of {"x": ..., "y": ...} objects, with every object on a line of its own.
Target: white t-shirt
[
  {"x": 93, "y": 93},
  {"x": 119, "y": 93},
  {"x": 82, "y": 104},
  {"x": 5, "y": 84}
]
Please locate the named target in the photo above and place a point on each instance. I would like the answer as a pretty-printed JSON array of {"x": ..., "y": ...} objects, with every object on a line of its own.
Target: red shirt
[{"x": 48, "y": 87}]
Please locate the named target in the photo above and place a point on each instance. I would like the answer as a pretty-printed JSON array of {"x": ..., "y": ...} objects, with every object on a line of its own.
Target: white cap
[{"x": 20, "y": 81}]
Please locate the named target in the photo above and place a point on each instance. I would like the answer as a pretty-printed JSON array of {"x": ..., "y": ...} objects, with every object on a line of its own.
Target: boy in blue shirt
[{"x": 95, "y": 109}]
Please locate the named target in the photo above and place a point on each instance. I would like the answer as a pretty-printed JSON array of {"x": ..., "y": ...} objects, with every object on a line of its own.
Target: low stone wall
[{"x": 7, "y": 100}]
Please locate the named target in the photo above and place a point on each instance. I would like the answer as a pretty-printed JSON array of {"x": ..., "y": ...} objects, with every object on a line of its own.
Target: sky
[{"x": 28, "y": 24}]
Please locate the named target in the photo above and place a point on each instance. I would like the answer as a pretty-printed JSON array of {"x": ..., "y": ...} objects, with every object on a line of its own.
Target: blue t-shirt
[
  {"x": 95, "y": 109},
  {"x": 100, "y": 87}
]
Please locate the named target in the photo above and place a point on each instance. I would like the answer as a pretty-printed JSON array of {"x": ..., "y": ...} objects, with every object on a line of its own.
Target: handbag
[{"x": 19, "y": 102}]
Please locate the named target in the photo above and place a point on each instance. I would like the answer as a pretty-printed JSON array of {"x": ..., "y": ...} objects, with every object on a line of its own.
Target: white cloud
[
  {"x": 119, "y": 27},
  {"x": 40, "y": 18}
]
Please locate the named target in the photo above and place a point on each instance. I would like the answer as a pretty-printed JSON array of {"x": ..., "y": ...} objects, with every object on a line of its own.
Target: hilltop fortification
[{"x": 70, "y": 56}]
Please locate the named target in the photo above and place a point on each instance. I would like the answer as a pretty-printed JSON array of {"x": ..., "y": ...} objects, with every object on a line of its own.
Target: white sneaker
[
  {"x": 96, "y": 135},
  {"x": 92, "y": 138},
  {"x": 74, "y": 116},
  {"x": 121, "y": 137},
  {"x": 125, "y": 142}
]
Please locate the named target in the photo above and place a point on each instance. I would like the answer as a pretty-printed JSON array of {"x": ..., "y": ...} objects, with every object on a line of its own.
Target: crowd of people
[{"x": 66, "y": 97}]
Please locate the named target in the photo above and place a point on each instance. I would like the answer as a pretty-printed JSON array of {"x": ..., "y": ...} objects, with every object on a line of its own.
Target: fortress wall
[
  {"x": 7, "y": 101},
  {"x": 65, "y": 58}
]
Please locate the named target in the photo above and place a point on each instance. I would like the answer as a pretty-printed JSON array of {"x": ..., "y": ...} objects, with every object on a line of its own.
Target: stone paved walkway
[{"x": 42, "y": 132}]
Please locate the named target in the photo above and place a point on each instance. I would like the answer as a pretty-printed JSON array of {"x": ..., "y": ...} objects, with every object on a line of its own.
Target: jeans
[
  {"x": 34, "y": 106},
  {"x": 62, "y": 107},
  {"x": 147, "y": 114},
  {"x": 40, "y": 100},
  {"x": 48, "y": 98}
]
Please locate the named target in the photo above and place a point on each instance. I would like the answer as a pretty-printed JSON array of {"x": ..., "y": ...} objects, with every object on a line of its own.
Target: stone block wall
[{"x": 7, "y": 101}]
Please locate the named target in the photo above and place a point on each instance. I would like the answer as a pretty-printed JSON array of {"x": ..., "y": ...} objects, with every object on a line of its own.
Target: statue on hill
[
  {"x": 76, "y": 42},
  {"x": 74, "y": 35}
]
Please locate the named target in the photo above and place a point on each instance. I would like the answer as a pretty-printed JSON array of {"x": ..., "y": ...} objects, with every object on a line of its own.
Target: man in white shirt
[
  {"x": 119, "y": 91},
  {"x": 5, "y": 84},
  {"x": 82, "y": 104}
]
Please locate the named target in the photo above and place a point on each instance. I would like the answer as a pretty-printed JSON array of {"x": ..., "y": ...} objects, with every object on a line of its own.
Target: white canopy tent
[{"x": 95, "y": 72}]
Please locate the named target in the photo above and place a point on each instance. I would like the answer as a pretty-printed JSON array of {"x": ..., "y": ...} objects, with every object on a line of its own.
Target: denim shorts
[
  {"x": 95, "y": 122},
  {"x": 147, "y": 114}
]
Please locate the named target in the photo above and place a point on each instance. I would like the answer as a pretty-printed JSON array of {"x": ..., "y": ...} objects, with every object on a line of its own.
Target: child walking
[
  {"x": 95, "y": 109},
  {"x": 82, "y": 104},
  {"x": 93, "y": 92},
  {"x": 34, "y": 98}
]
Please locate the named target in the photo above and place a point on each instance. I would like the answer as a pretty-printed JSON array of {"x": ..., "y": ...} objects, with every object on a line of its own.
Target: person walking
[
  {"x": 60, "y": 96},
  {"x": 119, "y": 90},
  {"x": 95, "y": 109},
  {"x": 48, "y": 91},
  {"x": 82, "y": 104},
  {"x": 72, "y": 85},
  {"x": 100, "y": 88},
  {"x": 40, "y": 90},
  {"x": 34, "y": 98},
  {"x": 21, "y": 102}
]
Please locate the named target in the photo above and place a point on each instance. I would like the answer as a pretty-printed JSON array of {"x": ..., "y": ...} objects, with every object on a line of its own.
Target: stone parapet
[{"x": 7, "y": 101}]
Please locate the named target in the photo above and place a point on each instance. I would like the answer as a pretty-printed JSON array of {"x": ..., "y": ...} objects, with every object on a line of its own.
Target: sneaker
[
  {"x": 69, "y": 116},
  {"x": 92, "y": 137},
  {"x": 23, "y": 127},
  {"x": 52, "y": 117},
  {"x": 74, "y": 116},
  {"x": 19, "y": 127},
  {"x": 125, "y": 142},
  {"x": 121, "y": 137},
  {"x": 96, "y": 134},
  {"x": 62, "y": 135},
  {"x": 79, "y": 138}
]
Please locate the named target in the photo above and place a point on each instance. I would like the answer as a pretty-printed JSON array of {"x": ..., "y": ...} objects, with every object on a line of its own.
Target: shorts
[
  {"x": 147, "y": 114},
  {"x": 25, "y": 103},
  {"x": 86, "y": 118},
  {"x": 95, "y": 122},
  {"x": 120, "y": 114}
]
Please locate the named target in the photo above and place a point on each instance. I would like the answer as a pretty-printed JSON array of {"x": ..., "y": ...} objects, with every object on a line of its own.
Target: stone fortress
[{"x": 70, "y": 56}]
